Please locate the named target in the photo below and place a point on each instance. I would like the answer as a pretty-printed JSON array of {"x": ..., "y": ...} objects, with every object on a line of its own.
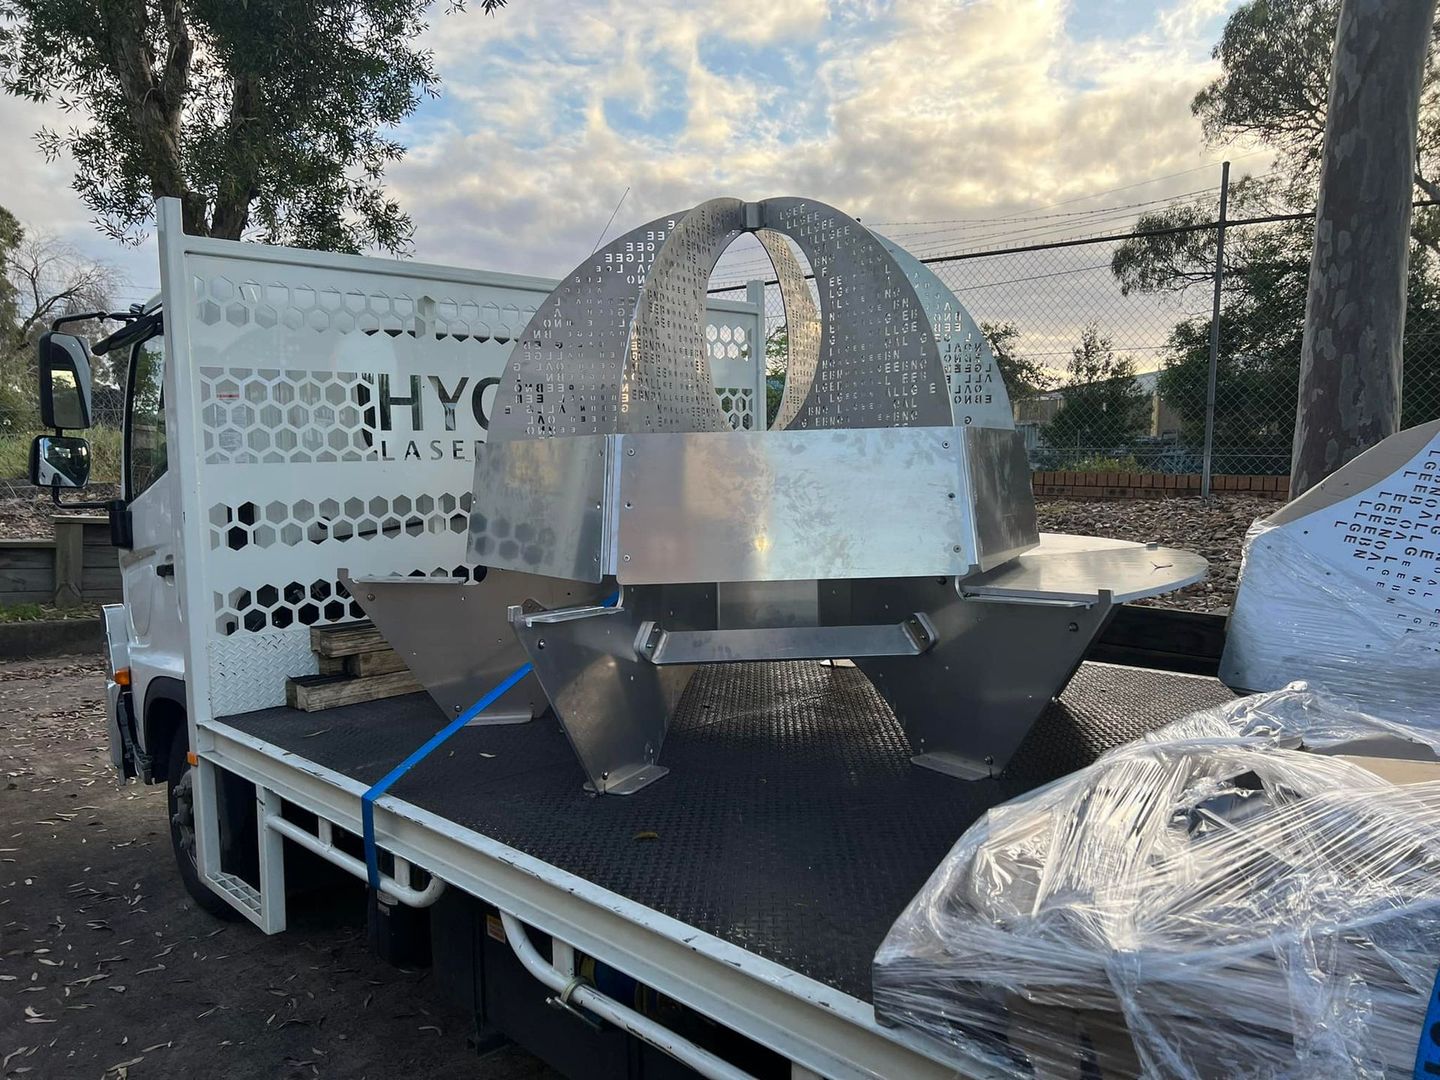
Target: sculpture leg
[
  {"x": 614, "y": 705},
  {"x": 455, "y": 635},
  {"x": 969, "y": 701}
]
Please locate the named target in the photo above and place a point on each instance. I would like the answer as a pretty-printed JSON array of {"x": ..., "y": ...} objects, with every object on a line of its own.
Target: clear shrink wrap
[
  {"x": 1361, "y": 623},
  {"x": 1251, "y": 891},
  {"x": 1341, "y": 586}
]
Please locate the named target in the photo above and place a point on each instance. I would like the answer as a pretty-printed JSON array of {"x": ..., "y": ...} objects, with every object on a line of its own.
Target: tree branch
[{"x": 1429, "y": 187}]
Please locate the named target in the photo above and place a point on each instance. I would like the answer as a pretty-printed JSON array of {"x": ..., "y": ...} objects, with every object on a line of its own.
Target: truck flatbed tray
[{"x": 792, "y": 823}]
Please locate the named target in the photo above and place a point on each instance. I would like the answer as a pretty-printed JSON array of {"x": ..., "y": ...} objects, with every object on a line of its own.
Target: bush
[
  {"x": 105, "y": 454},
  {"x": 1108, "y": 464}
]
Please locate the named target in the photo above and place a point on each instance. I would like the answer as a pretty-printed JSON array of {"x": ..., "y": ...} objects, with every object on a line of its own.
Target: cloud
[
  {"x": 38, "y": 193},
  {"x": 893, "y": 110},
  {"x": 890, "y": 110}
]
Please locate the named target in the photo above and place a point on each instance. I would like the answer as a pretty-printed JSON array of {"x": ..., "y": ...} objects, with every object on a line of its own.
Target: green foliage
[
  {"x": 1275, "y": 58},
  {"x": 105, "y": 452},
  {"x": 1099, "y": 463},
  {"x": 1274, "y": 87},
  {"x": 38, "y": 612},
  {"x": 266, "y": 118},
  {"x": 1262, "y": 318},
  {"x": 1024, "y": 378},
  {"x": 1102, "y": 407},
  {"x": 777, "y": 350},
  {"x": 22, "y": 612},
  {"x": 1275, "y": 79}
]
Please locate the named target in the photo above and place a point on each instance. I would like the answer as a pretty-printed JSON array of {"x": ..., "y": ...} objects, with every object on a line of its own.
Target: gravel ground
[
  {"x": 108, "y": 971},
  {"x": 1215, "y": 528}
]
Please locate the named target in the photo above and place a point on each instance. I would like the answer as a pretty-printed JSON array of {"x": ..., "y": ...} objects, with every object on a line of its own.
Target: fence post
[
  {"x": 69, "y": 561},
  {"x": 1205, "y": 467}
]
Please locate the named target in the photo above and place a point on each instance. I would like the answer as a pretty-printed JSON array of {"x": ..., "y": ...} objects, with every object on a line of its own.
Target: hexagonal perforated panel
[{"x": 333, "y": 310}]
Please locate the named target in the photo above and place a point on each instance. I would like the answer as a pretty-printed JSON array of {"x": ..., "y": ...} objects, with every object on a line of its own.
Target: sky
[{"x": 928, "y": 119}]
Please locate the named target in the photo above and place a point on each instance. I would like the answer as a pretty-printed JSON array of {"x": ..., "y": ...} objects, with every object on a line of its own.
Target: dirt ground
[{"x": 108, "y": 971}]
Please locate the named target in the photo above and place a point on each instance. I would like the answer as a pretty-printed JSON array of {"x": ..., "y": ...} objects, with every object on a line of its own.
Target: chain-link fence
[
  {"x": 1106, "y": 343},
  {"x": 20, "y": 423}
]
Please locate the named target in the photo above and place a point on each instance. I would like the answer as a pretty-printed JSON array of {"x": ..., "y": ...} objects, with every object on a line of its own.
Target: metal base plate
[
  {"x": 631, "y": 782},
  {"x": 500, "y": 716},
  {"x": 955, "y": 765}
]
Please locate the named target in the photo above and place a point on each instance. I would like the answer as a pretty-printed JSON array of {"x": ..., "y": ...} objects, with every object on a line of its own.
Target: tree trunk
[{"x": 1350, "y": 361}]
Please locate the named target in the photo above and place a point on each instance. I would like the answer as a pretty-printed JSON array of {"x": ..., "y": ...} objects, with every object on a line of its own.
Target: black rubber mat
[{"x": 791, "y": 824}]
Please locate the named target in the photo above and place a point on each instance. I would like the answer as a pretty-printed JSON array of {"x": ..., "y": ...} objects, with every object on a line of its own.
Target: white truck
[{"x": 292, "y": 413}]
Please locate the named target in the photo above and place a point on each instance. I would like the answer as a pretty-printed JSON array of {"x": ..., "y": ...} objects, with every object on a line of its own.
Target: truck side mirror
[
  {"x": 64, "y": 382},
  {"x": 59, "y": 461}
]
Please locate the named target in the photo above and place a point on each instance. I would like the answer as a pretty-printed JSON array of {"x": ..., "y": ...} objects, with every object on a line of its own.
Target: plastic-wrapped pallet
[{"x": 1252, "y": 891}]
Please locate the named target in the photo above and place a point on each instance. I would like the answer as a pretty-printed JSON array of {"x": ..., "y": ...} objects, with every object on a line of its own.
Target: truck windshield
[{"x": 145, "y": 443}]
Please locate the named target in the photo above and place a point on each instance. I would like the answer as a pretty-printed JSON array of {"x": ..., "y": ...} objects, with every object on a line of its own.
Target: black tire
[{"x": 178, "y": 780}]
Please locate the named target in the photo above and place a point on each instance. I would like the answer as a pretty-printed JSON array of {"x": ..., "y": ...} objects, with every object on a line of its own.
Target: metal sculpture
[{"x": 885, "y": 518}]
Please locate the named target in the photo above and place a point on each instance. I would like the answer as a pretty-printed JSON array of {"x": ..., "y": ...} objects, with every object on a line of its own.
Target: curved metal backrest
[
  {"x": 619, "y": 347},
  {"x": 878, "y": 362},
  {"x": 977, "y": 388},
  {"x": 567, "y": 368},
  {"x": 802, "y": 326},
  {"x": 667, "y": 384}
]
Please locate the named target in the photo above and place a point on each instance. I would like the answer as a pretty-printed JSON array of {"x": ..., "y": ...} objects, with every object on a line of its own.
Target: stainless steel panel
[
  {"x": 757, "y": 604},
  {"x": 802, "y": 326},
  {"x": 539, "y": 507},
  {"x": 667, "y": 384},
  {"x": 664, "y": 646},
  {"x": 1081, "y": 568},
  {"x": 977, "y": 388},
  {"x": 619, "y": 347},
  {"x": 793, "y": 505},
  {"x": 565, "y": 371},
  {"x": 999, "y": 490},
  {"x": 968, "y": 703},
  {"x": 455, "y": 635},
  {"x": 878, "y": 364},
  {"x": 614, "y": 705}
]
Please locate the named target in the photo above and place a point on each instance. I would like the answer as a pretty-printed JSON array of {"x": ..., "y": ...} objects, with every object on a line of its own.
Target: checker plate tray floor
[{"x": 791, "y": 824}]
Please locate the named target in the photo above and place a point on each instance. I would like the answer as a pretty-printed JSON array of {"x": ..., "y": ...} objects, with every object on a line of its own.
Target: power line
[
  {"x": 610, "y": 222},
  {"x": 1059, "y": 225},
  {"x": 1059, "y": 222},
  {"x": 1096, "y": 195},
  {"x": 1173, "y": 230}
]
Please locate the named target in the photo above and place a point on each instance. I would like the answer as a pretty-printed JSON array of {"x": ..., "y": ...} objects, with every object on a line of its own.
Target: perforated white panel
[{"x": 335, "y": 406}]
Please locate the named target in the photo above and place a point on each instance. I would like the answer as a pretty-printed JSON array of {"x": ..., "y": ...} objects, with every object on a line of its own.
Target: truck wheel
[{"x": 180, "y": 781}]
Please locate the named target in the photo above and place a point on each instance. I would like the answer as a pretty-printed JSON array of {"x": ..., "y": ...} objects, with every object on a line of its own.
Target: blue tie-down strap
[
  {"x": 1427, "y": 1054},
  {"x": 367, "y": 801}
]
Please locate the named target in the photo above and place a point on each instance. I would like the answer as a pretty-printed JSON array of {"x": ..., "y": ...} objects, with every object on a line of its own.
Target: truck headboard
[{"x": 324, "y": 412}]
